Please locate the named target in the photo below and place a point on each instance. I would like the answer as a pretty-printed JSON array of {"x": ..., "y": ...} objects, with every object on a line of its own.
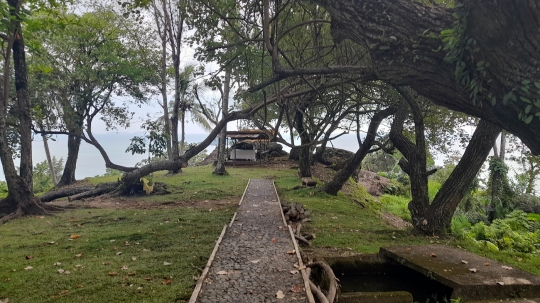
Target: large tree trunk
[
  {"x": 304, "y": 152},
  {"x": 435, "y": 218},
  {"x": 438, "y": 216},
  {"x": 20, "y": 200},
  {"x": 74, "y": 143},
  {"x": 497, "y": 178},
  {"x": 402, "y": 39},
  {"x": 222, "y": 148},
  {"x": 163, "y": 88},
  {"x": 353, "y": 164}
]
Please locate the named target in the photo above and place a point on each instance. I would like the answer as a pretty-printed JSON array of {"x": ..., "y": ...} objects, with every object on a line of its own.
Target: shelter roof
[{"x": 247, "y": 134}]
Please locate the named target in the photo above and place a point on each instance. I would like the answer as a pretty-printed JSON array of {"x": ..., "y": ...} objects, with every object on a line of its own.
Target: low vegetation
[{"x": 150, "y": 248}]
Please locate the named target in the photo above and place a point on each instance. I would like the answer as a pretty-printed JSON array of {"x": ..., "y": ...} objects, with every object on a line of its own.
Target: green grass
[
  {"x": 198, "y": 183},
  {"x": 396, "y": 205},
  {"x": 340, "y": 223},
  {"x": 184, "y": 237}
]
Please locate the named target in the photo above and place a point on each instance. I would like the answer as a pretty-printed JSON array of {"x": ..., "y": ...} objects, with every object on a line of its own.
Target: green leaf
[
  {"x": 525, "y": 82},
  {"x": 384, "y": 47},
  {"x": 537, "y": 103},
  {"x": 493, "y": 101},
  {"x": 447, "y": 32},
  {"x": 525, "y": 99},
  {"x": 393, "y": 38},
  {"x": 528, "y": 109},
  {"x": 528, "y": 119},
  {"x": 537, "y": 84}
]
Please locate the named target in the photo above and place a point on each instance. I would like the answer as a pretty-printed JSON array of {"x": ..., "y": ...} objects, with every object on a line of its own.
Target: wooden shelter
[{"x": 247, "y": 147}]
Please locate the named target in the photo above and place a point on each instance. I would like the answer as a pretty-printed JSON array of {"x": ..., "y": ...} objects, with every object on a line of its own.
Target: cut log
[
  {"x": 309, "y": 182},
  {"x": 302, "y": 239}
]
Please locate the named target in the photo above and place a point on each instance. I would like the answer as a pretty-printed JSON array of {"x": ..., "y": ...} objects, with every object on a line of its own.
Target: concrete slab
[{"x": 473, "y": 278}]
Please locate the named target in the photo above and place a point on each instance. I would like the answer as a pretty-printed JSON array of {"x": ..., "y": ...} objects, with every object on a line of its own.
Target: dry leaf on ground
[
  {"x": 29, "y": 257},
  {"x": 221, "y": 272},
  {"x": 291, "y": 252},
  {"x": 473, "y": 270},
  {"x": 296, "y": 288},
  {"x": 74, "y": 236},
  {"x": 280, "y": 294},
  {"x": 506, "y": 267},
  {"x": 166, "y": 281},
  {"x": 113, "y": 273},
  {"x": 28, "y": 268},
  {"x": 167, "y": 263}
]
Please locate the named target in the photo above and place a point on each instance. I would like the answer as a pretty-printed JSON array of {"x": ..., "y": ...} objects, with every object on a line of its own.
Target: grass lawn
[{"x": 155, "y": 230}]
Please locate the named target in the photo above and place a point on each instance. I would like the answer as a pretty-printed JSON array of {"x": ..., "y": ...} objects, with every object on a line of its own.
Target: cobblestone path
[{"x": 252, "y": 264}]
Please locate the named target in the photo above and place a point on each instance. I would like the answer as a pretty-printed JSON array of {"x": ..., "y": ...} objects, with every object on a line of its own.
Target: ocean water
[{"x": 90, "y": 163}]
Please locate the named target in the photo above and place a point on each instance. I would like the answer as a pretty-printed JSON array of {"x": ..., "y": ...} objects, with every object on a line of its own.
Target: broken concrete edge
[
  {"x": 305, "y": 277},
  {"x": 245, "y": 191},
  {"x": 390, "y": 256},
  {"x": 233, "y": 218},
  {"x": 203, "y": 275}
]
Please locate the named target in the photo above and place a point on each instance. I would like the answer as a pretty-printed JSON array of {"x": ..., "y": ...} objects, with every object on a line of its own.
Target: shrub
[
  {"x": 511, "y": 233},
  {"x": 460, "y": 225},
  {"x": 527, "y": 203}
]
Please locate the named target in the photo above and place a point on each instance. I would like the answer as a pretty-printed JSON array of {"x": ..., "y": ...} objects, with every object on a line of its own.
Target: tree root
[
  {"x": 332, "y": 288},
  {"x": 31, "y": 207}
]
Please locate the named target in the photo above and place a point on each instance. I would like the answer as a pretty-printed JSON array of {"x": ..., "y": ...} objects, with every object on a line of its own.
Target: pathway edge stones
[
  {"x": 198, "y": 286},
  {"x": 305, "y": 277}
]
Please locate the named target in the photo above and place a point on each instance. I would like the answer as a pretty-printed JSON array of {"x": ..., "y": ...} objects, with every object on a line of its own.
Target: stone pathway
[{"x": 252, "y": 264}]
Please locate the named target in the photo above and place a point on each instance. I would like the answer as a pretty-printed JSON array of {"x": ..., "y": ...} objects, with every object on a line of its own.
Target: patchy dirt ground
[
  {"x": 136, "y": 203},
  {"x": 319, "y": 171},
  {"x": 395, "y": 221}
]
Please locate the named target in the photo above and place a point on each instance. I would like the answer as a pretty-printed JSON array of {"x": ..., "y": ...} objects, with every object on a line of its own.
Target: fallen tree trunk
[
  {"x": 100, "y": 189},
  {"x": 63, "y": 192}
]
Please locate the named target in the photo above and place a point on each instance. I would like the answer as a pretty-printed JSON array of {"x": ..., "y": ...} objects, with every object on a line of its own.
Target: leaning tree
[{"x": 479, "y": 57}]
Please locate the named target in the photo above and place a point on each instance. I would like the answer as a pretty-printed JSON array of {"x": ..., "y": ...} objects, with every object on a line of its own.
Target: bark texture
[
  {"x": 68, "y": 176},
  {"x": 435, "y": 218},
  {"x": 397, "y": 34},
  {"x": 222, "y": 152},
  {"x": 353, "y": 164},
  {"x": 20, "y": 200}
]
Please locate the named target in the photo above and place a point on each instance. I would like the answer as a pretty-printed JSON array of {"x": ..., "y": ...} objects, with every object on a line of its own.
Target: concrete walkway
[{"x": 255, "y": 261}]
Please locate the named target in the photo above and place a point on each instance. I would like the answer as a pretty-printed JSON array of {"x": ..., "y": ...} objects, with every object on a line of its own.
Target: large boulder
[{"x": 374, "y": 184}]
